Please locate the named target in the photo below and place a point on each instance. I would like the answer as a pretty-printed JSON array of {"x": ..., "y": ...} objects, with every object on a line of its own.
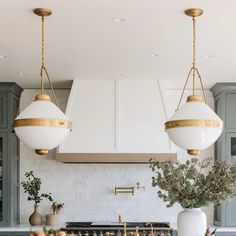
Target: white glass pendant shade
[
  {"x": 42, "y": 126},
  {"x": 194, "y": 127}
]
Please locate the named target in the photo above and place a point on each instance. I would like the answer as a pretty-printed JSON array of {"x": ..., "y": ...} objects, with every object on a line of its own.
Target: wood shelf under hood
[{"x": 113, "y": 158}]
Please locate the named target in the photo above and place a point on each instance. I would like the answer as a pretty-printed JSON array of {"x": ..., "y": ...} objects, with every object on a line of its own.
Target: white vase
[{"x": 191, "y": 222}]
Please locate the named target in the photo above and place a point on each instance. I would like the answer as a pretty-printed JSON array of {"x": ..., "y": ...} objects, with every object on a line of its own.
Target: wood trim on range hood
[{"x": 114, "y": 158}]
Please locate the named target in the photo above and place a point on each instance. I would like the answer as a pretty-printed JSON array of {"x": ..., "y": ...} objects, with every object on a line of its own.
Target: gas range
[
  {"x": 115, "y": 224},
  {"x": 117, "y": 229}
]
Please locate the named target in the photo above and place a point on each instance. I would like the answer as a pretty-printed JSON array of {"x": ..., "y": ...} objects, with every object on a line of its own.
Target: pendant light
[
  {"x": 194, "y": 126},
  {"x": 42, "y": 125}
]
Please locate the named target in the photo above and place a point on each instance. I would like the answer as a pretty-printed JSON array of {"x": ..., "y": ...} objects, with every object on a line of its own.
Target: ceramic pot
[
  {"x": 35, "y": 218},
  {"x": 191, "y": 222},
  {"x": 52, "y": 219}
]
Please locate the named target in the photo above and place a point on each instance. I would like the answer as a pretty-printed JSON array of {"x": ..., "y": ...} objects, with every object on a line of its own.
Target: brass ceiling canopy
[
  {"x": 42, "y": 12},
  {"x": 194, "y": 12}
]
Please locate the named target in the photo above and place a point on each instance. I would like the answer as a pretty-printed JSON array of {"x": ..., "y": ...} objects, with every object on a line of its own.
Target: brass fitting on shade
[
  {"x": 193, "y": 122},
  {"x": 42, "y": 122},
  {"x": 193, "y": 152},
  {"x": 194, "y": 98},
  {"x": 42, "y": 97},
  {"x": 41, "y": 151}
]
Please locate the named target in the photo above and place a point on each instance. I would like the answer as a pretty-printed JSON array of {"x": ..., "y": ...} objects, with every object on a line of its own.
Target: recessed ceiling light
[
  {"x": 118, "y": 74},
  {"x": 3, "y": 56},
  {"x": 209, "y": 56},
  {"x": 118, "y": 20},
  {"x": 154, "y": 55},
  {"x": 21, "y": 73}
]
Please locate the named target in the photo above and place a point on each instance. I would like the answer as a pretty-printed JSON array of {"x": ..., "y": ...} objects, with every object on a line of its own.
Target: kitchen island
[{"x": 25, "y": 229}]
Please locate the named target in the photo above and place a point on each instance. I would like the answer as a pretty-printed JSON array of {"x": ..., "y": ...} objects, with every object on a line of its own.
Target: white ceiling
[{"x": 84, "y": 43}]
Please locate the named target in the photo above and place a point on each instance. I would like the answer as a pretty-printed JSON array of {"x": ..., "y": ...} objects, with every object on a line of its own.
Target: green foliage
[
  {"x": 49, "y": 231},
  {"x": 32, "y": 187},
  {"x": 194, "y": 183}
]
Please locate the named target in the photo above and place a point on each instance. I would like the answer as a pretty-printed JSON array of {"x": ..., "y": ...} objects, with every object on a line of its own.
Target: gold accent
[
  {"x": 136, "y": 231},
  {"x": 41, "y": 151},
  {"x": 193, "y": 12},
  {"x": 42, "y": 97},
  {"x": 193, "y": 122},
  {"x": 194, "y": 98},
  {"x": 149, "y": 223},
  {"x": 42, "y": 12},
  {"x": 125, "y": 231},
  {"x": 138, "y": 158},
  {"x": 193, "y": 152},
  {"x": 124, "y": 190},
  {"x": 42, "y": 122}
]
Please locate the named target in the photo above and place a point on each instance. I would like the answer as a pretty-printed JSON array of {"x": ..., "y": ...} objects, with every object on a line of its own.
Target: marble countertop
[
  {"x": 223, "y": 229},
  {"x": 212, "y": 227},
  {"x": 27, "y": 228}
]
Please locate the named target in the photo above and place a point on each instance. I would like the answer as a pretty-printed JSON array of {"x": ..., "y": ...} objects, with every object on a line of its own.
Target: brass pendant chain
[
  {"x": 42, "y": 55},
  {"x": 43, "y": 68},
  {"x": 193, "y": 69},
  {"x": 194, "y": 53}
]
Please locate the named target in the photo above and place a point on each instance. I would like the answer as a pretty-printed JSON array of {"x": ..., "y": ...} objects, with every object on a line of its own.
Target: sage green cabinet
[
  {"x": 3, "y": 108},
  {"x": 14, "y": 233},
  {"x": 226, "y": 233},
  {"x": 225, "y": 147},
  {"x": 9, "y": 155}
]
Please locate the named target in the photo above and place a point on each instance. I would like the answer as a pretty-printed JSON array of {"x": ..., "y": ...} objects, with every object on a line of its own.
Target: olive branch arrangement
[{"x": 195, "y": 183}]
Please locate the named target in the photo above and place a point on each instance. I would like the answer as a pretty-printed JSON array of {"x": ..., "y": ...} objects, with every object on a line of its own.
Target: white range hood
[{"x": 118, "y": 121}]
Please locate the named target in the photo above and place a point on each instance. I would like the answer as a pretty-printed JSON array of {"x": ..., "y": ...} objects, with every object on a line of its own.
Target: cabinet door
[
  {"x": 230, "y": 110},
  {"x": 3, "y": 111},
  {"x": 3, "y": 170},
  {"x": 230, "y": 207},
  {"x": 15, "y": 178}
]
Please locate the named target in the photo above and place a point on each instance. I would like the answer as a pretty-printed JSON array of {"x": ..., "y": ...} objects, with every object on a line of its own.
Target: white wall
[{"x": 87, "y": 189}]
